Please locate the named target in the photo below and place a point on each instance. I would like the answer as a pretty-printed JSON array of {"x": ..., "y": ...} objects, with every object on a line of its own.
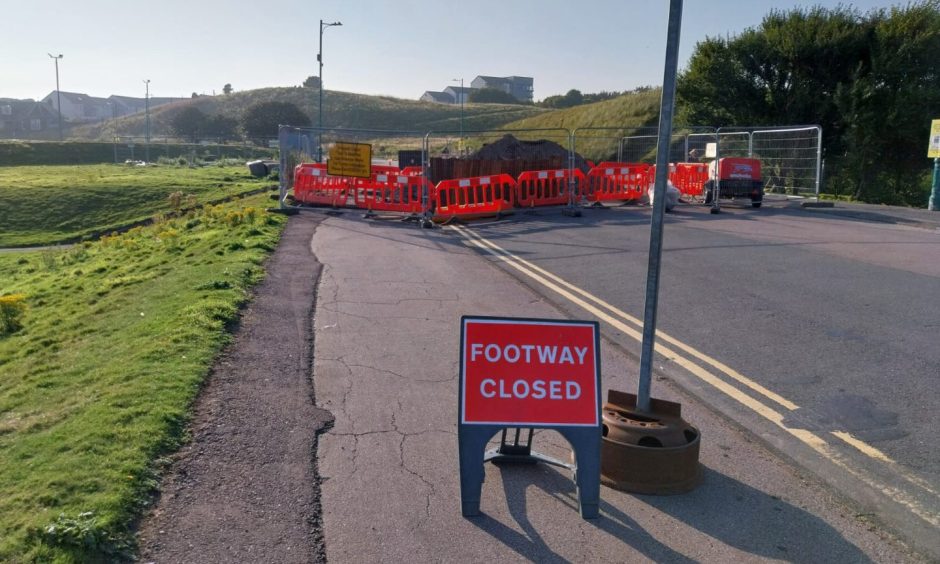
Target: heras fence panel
[
  {"x": 548, "y": 187},
  {"x": 624, "y": 182},
  {"x": 312, "y": 185},
  {"x": 638, "y": 143},
  {"x": 473, "y": 197},
  {"x": 392, "y": 193},
  {"x": 791, "y": 158}
]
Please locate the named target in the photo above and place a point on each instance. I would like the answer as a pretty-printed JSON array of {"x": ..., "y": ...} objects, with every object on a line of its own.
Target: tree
[
  {"x": 189, "y": 123},
  {"x": 868, "y": 79},
  {"x": 227, "y": 89},
  {"x": 220, "y": 126},
  {"x": 262, "y": 119},
  {"x": 491, "y": 96},
  {"x": 312, "y": 82}
]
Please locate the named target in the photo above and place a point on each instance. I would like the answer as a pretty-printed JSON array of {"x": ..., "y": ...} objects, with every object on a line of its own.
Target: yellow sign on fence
[
  {"x": 350, "y": 159},
  {"x": 933, "y": 149}
]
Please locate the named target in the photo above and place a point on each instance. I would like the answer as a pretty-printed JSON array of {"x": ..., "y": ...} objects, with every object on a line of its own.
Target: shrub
[{"x": 12, "y": 308}]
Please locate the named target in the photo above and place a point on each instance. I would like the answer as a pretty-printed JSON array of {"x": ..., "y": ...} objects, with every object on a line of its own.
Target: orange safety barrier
[
  {"x": 547, "y": 187},
  {"x": 689, "y": 178},
  {"x": 617, "y": 181},
  {"x": 312, "y": 185},
  {"x": 477, "y": 196},
  {"x": 392, "y": 192},
  {"x": 385, "y": 169},
  {"x": 609, "y": 164},
  {"x": 412, "y": 171}
]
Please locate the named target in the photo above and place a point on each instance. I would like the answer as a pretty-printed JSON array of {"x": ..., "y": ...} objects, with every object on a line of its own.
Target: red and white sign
[{"x": 529, "y": 372}]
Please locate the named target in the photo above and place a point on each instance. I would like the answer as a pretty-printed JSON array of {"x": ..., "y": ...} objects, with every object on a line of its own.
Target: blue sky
[{"x": 399, "y": 48}]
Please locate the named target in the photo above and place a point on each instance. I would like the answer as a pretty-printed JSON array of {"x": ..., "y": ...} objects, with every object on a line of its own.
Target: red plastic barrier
[
  {"x": 689, "y": 178},
  {"x": 412, "y": 171},
  {"x": 621, "y": 182},
  {"x": 477, "y": 196},
  {"x": 546, "y": 187},
  {"x": 312, "y": 185},
  {"x": 385, "y": 169},
  {"x": 615, "y": 164},
  {"x": 392, "y": 192}
]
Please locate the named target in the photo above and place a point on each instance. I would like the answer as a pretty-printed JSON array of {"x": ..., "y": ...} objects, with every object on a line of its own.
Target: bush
[{"x": 12, "y": 308}]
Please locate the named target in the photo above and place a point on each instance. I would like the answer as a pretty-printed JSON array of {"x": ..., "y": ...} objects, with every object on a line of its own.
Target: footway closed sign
[{"x": 529, "y": 372}]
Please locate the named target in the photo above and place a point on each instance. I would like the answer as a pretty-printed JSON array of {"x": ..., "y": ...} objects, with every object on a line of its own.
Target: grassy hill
[
  {"x": 618, "y": 117},
  {"x": 43, "y": 205},
  {"x": 343, "y": 109}
]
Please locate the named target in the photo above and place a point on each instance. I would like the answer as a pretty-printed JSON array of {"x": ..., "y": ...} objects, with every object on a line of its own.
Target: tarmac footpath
[{"x": 386, "y": 336}]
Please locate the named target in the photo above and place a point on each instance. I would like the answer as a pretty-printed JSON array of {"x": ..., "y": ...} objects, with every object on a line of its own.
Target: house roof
[
  {"x": 77, "y": 97},
  {"x": 459, "y": 89},
  {"x": 439, "y": 96}
]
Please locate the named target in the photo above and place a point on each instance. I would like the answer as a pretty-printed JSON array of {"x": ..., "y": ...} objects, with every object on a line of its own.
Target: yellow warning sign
[
  {"x": 933, "y": 150},
  {"x": 350, "y": 159}
]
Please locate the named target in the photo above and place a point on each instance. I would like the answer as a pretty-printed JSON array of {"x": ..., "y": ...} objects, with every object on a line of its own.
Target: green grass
[
  {"x": 632, "y": 110},
  {"x": 97, "y": 386},
  {"x": 20, "y": 153},
  {"x": 43, "y": 205}
]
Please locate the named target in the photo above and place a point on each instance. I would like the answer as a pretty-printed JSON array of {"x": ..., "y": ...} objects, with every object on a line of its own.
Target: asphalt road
[
  {"x": 385, "y": 367},
  {"x": 832, "y": 315}
]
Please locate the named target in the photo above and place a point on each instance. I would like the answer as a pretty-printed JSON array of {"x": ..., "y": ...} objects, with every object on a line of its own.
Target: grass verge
[
  {"x": 98, "y": 376},
  {"x": 43, "y": 205}
]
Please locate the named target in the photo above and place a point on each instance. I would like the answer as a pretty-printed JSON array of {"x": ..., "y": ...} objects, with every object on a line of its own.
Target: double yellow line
[{"x": 767, "y": 404}]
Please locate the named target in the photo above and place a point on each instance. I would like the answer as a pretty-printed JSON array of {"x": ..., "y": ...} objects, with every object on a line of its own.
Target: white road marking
[{"x": 815, "y": 442}]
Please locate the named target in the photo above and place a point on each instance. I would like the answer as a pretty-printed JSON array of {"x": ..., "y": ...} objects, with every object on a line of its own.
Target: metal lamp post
[
  {"x": 461, "y": 96},
  {"x": 147, "y": 106},
  {"x": 58, "y": 95},
  {"x": 320, "y": 109}
]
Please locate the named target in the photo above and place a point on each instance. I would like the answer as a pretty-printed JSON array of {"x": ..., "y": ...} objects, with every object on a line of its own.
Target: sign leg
[
  {"x": 587, "y": 452},
  {"x": 471, "y": 442}
]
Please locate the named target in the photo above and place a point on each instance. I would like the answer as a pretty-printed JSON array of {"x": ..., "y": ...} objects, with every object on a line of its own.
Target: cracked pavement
[{"x": 385, "y": 365}]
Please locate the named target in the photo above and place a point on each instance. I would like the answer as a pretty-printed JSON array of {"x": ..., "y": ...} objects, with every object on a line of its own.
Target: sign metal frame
[{"x": 473, "y": 436}]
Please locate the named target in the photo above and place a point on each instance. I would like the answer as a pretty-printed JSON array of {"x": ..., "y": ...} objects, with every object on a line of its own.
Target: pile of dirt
[{"x": 510, "y": 148}]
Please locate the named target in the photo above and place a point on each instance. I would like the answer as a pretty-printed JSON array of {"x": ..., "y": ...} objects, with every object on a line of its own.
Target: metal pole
[
  {"x": 819, "y": 161},
  {"x": 320, "y": 105},
  {"x": 320, "y": 108},
  {"x": 147, "y": 105},
  {"x": 667, "y": 104},
  {"x": 58, "y": 93},
  {"x": 934, "y": 203}
]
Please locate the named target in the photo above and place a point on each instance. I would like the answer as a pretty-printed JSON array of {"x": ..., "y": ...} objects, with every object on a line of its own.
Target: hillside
[
  {"x": 343, "y": 109},
  {"x": 620, "y": 116}
]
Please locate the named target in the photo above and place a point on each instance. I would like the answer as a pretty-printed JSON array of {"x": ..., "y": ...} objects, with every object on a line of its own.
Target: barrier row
[{"x": 401, "y": 191}]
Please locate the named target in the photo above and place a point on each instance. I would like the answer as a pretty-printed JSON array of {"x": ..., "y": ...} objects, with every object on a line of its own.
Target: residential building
[
  {"x": 459, "y": 93},
  {"x": 438, "y": 97},
  {"x": 78, "y": 108},
  {"x": 520, "y": 87},
  {"x": 27, "y": 119},
  {"x": 82, "y": 108}
]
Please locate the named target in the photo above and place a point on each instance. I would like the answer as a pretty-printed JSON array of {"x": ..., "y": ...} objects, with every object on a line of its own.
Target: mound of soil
[{"x": 510, "y": 148}]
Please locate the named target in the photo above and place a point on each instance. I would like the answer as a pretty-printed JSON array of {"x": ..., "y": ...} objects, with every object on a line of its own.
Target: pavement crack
[{"x": 431, "y": 489}]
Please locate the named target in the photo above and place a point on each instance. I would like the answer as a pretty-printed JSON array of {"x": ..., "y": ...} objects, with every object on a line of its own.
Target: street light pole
[
  {"x": 320, "y": 108},
  {"x": 58, "y": 94},
  {"x": 461, "y": 96},
  {"x": 147, "y": 105}
]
